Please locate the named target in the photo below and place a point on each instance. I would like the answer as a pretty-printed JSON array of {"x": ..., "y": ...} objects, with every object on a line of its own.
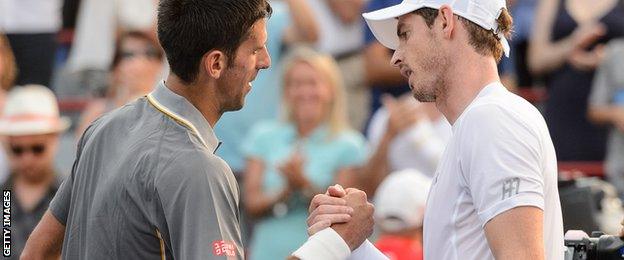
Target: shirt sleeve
[
  {"x": 501, "y": 161},
  {"x": 200, "y": 208},
  {"x": 59, "y": 206}
]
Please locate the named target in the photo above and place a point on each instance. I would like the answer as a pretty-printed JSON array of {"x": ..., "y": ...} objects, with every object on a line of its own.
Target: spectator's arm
[
  {"x": 613, "y": 115},
  {"x": 545, "y": 55},
  {"x": 257, "y": 202},
  {"x": 46, "y": 241},
  {"x": 348, "y": 11},
  {"x": 379, "y": 70},
  {"x": 517, "y": 234},
  {"x": 377, "y": 167},
  {"x": 304, "y": 26}
]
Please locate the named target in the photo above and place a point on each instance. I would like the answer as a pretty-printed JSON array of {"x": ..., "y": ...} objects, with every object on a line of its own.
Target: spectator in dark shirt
[{"x": 31, "y": 125}]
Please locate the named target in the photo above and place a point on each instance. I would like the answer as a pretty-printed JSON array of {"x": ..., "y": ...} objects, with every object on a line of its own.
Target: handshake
[{"x": 347, "y": 212}]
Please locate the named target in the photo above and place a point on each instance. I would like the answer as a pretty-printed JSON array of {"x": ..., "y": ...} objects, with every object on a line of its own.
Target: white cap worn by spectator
[
  {"x": 383, "y": 22},
  {"x": 31, "y": 110},
  {"x": 400, "y": 200}
]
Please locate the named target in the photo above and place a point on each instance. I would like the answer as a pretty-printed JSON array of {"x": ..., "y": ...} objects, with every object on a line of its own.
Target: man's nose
[
  {"x": 265, "y": 62},
  {"x": 396, "y": 58}
]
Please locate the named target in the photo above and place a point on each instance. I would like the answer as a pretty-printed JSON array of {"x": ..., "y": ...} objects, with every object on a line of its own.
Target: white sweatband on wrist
[
  {"x": 367, "y": 251},
  {"x": 326, "y": 245}
]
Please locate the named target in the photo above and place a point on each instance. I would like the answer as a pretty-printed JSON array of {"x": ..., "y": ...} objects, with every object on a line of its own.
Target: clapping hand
[{"x": 293, "y": 171}]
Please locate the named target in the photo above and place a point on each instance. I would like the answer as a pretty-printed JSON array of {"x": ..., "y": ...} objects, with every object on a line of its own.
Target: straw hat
[{"x": 31, "y": 110}]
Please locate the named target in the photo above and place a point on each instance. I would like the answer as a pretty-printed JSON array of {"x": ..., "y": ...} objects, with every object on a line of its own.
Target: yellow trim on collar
[
  {"x": 162, "y": 245},
  {"x": 175, "y": 117}
]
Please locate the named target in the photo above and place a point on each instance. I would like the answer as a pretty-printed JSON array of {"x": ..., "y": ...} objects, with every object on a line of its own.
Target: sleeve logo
[
  {"x": 511, "y": 187},
  {"x": 223, "y": 248}
]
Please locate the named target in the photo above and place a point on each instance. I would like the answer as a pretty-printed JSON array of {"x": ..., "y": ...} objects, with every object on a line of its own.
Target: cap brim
[
  {"x": 35, "y": 128},
  {"x": 383, "y": 22}
]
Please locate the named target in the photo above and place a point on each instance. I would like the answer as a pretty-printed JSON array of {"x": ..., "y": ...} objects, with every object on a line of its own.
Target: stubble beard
[{"x": 436, "y": 85}]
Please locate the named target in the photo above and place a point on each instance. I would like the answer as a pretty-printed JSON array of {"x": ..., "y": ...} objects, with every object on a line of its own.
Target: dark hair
[
  {"x": 187, "y": 29},
  {"x": 485, "y": 42},
  {"x": 118, "y": 56}
]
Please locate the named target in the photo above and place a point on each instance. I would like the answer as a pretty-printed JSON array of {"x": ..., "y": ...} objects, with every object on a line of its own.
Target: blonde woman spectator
[{"x": 290, "y": 161}]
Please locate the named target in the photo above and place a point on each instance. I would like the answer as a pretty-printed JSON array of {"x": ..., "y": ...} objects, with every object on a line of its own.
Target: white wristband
[
  {"x": 326, "y": 245},
  {"x": 367, "y": 251}
]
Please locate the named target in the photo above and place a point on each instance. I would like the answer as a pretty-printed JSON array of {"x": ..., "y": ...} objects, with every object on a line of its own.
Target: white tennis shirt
[{"x": 500, "y": 157}]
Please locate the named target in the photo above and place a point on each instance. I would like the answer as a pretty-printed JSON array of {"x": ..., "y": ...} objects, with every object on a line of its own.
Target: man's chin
[
  {"x": 235, "y": 106},
  {"x": 424, "y": 97}
]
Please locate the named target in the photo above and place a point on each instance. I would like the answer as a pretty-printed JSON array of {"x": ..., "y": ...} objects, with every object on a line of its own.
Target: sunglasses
[
  {"x": 149, "y": 53},
  {"x": 37, "y": 149}
]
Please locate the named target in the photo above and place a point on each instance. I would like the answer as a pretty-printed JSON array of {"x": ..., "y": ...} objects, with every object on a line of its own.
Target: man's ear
[
  {"x": 214, "y": 63},
  {"x": 448, "y": 22}
]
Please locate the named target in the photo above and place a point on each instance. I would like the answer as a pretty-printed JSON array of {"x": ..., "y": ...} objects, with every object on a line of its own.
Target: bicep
[{"x": 517, "y": 234}]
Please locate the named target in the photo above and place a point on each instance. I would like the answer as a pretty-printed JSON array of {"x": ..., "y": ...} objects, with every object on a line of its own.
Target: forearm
[
  {"x": 604, "y": 114},
  {"x": 303, "y": 20},
  {"x": 377, "y": 167},
  {"x": 548, "y": 56}
]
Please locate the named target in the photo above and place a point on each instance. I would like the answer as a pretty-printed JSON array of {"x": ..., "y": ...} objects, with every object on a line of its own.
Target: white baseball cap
[
  {"x": 400, "y": 200},
  {"x": 31, "y": 110},
  {"x": 383, "y": 22}
]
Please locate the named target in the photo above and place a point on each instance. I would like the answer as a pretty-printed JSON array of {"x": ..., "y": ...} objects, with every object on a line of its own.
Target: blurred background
[{"x": 331, "y": 109}]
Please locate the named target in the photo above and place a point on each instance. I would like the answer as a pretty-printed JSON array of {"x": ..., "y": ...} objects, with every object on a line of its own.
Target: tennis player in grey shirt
[{"x": 146, "y": 183}]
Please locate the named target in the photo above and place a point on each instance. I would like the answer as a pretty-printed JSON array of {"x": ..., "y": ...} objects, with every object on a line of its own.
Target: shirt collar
[{"x": 175, "y": 105}]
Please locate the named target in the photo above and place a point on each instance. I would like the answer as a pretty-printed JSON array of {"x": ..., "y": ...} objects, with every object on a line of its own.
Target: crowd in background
[{"x": 331, "y": 109}]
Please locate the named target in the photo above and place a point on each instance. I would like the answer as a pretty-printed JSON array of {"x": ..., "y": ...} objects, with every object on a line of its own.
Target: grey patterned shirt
[{"x": 147, "y": 185}]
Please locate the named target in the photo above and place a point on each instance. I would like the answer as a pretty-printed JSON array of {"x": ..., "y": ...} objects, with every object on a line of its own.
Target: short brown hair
[
  {"x": 485, "y": 42},
  {"x": 7, "y": 60}
]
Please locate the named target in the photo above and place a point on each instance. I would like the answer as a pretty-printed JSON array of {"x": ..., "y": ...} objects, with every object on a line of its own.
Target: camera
[{"x": 599, "y": 246}]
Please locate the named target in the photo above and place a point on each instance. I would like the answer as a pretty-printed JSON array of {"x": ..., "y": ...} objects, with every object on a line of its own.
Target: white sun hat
[
  {"x": 31, "y": 110},
  {"x": 400, "y": 200},
  {"x": 383, "y": 22}
]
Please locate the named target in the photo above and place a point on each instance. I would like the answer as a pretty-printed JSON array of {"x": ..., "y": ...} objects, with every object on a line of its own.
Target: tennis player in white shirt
[{"x": 494, "y": 195}]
